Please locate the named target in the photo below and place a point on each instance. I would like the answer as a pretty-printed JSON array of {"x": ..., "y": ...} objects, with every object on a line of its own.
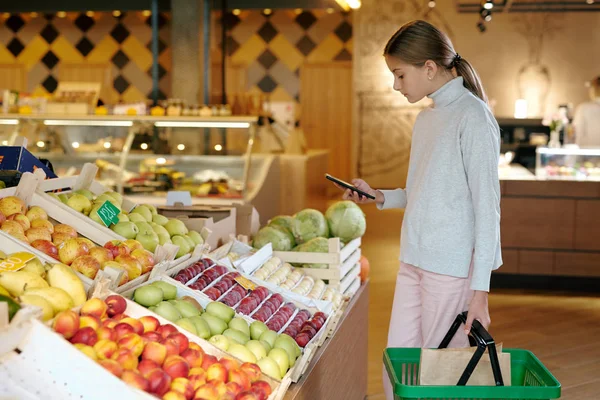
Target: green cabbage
[
  {"x": 316, "y": 245},
  {"x": 346, "y": 220},
  {"x": 280, "y": 238},
  {"x": 284, "y": 221},
  {"x": 309, "y": 224}
]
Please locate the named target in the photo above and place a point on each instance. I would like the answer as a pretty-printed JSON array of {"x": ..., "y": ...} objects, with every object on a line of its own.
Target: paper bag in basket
[{"x": 445, "y": 367}]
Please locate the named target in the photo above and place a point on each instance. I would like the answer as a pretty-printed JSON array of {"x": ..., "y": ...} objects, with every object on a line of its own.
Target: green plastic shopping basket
[{"x": 530, "y": 380}]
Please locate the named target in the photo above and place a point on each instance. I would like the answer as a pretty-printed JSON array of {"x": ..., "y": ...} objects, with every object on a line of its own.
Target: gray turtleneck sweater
[{"x": 452, "y": 195}]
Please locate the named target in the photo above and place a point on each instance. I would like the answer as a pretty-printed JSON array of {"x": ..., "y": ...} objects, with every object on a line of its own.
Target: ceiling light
[
  {"x": 68, "y": 122},
  {"x": 144, "y": 146},
  {"x": 218, "y": 147},
  {"x": 5, "y": 143},
  {"x": 107, "y": 145},
  {"x": 353, "y": 4},
  {"x": 181, "y": 147},
  {"x": 61, "y": 14},
  {"x": 40, "y": 144},
  {"x": 33, "y": 15},
  {"x": 89, "y": 14},
  {"x": 489, "y": 4},
  {"x": 116, "y": 13},
  {"x": 431, "y": 4},
  {"x": 146, "y": 13},
  {"x": 161, "y": 160},
  {"x": 298, "y": 11},
  {"x": 75, "y": 145},
  {"x": 9, "y": 121},
  {"x": 330, "y": 11},
  {"x": 590, "y": 2},
  {"x": 199, "y": 124},
  {"x": 267, "y": 11},
  {"x": 237, "y": 11},
  {"x": 488, "y": 17}
]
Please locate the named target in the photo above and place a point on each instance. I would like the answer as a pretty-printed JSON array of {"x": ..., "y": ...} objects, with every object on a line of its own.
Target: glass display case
[
  {"x": 212, "y": 157},
  {"x": 568, "y": 163}
]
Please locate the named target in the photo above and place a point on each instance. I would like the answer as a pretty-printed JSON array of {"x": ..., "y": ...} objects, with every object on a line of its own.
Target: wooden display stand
[{"x": 339, "y": 369}]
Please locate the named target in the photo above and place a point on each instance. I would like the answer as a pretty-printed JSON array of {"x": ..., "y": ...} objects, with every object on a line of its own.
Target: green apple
[
  {"x": 136, "y": 218},
  {"x": 169, "y": 291},
  {"x": 266, "y": 345},
  {"x": 270, "y": 367},
  {"x": 236, "y": 336},
  {"x": 269, "y": 337},
  {"x": 241, "y": 352},
  {"x": 220, "y": 310},
  {"x": 54, "y": 195},
  {"x": 186, "y": 309},
  {"x": 160, "y": 219},
  {"x": 176, "y": 227},
  {"x": 280, "y": 356},
  {"x": 202, "y": 327},
  {"x": 152, "y": 209},
  {"x": 144, "y": 227},
  {"x": 241, "y": 325},
  {"x": 160, "y": 230},
  {"x": 256, "y": 348},
  {"x": 162, "y": 239},
  {"x": 148, "y": 240},
  {"x": 86, "y": 193},
  {"x": 126, "y": 229},
  {"x": 186, "y": 324},
  {"x": 123, "y": 217},
  {"x": 80, "y": 203},
  {"x": 116, "y": 196},
  {"x": 290, "y": 340},
  {"x": 144, "y": 211},
  {"x": 167, "y": 310},
  {"x": 256, "y": 329},
  {"x": 190, "y": 242},
  {"x": 217, "y": 326},
  {"x": 196, "y": 237},
  {"x": 184, "y": 246},
  {"x": 220, "y": 341},
  {"x": 148, "y": 295}
]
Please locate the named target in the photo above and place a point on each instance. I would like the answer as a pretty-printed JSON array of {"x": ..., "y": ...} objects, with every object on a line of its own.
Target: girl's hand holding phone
[{"x": 358, "y": 198}]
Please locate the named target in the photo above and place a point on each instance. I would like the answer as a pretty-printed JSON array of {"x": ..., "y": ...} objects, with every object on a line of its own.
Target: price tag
[
  {"x": 246, "y": 284},
  {"x": 108, "y": 213},
  {"x": 16, "y": 261}
]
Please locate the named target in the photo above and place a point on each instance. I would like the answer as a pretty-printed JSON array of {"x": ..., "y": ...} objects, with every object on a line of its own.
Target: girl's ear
[{"x": 431, "y": 69}]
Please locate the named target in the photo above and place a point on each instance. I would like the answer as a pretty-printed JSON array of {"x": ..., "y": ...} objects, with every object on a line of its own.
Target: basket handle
[{"x": 482, "y": 340}]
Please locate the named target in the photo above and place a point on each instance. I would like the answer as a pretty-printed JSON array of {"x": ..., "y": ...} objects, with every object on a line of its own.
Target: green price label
[{"x": 108, "y": 213}]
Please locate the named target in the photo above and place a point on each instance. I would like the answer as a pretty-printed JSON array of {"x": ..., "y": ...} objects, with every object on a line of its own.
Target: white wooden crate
[{"x": 341, "y": 262}]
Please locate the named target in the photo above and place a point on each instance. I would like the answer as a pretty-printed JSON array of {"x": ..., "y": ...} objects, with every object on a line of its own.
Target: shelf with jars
[{"x": 212, "y": 157}]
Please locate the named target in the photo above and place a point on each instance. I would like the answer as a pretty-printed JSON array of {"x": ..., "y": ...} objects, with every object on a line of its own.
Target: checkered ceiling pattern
[
  {"x": 274, "y": 46},
  {"x": 42, "y": 43}
]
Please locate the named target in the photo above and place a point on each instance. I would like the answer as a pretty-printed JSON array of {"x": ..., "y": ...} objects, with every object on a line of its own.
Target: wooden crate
[{"x": 343, "y": 264}]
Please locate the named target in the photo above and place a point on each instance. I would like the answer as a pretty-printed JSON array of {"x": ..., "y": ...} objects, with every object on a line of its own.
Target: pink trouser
[{"x": 425, "y": 306}]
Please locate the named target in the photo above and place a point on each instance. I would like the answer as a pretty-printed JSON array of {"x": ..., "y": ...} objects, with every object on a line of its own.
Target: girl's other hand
[
  {"x": 358, "y": 198},
  {"x": 478, "y": 310}
]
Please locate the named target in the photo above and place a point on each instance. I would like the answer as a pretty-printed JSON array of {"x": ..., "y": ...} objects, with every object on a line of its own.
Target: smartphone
[{"x": 349, "y": 186}]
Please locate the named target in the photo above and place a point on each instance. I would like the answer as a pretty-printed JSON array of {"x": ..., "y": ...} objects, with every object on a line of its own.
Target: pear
[
  {"x": 160, "y": 219},
  {"x": 144, "y": 211}
]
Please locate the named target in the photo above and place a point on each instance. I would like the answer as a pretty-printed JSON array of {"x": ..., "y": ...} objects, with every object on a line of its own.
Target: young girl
[{"x": 451, "y": 228}]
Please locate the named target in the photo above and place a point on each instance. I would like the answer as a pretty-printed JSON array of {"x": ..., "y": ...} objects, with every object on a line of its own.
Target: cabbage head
[
  {"x": 316, "y": 245},
  {"x": 280, "y": 239},
  {"x": 309, "y": 224},
  {"x": 346, "y": 221},
  {"x": 284, "y": 221}
]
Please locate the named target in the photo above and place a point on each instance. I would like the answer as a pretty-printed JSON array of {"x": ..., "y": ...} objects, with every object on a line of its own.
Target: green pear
[
  {"x": 94, "y": 215},
  {"x": 184, "y": 246},
  {"x": 202, "y": 327},
  {"x": 152, "y": 209},
  {"x": 241, "y": 325},
  {"x": 196, "y": 237},
  {"x": 123, "y": 217},
  {"x": 103, "y": 198},
  {"x": 169, "y": 291},
  {"x": 160, "y": 219},
  {"x": 162, "y": 239},
  {"x": 63, "y": 197},
  {"x": 220, "y": 310},
  {"x": 54, "y": 195},
  {"x": 86, "y": 193},
  {"x": 190, "y": 242},
  {"x": 186, "y": 324},
  {"x": 80, "y": 203},
  {"x": 144, "y": 227},
  {"x": 144, "y": 211},
  {"x": 126, "y": 229},
  {"x": 116, "y": 196},
  {"x": 257, "y": 328},
  {"x": 167, "y": 310},
  {"x": 217, "y": 325},
  {"x": 136, "y": 217},
  {"x": 236, "y": 336},
  {"x": 186, "y": 309}
]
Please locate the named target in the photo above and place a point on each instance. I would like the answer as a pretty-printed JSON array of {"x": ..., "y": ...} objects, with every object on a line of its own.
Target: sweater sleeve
[
  {"x": 480, "y": 146},
  {"x": 393, "y": 199}
]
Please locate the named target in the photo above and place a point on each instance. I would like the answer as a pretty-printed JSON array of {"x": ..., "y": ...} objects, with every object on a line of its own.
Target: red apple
[
  {"x": 66, "y": 323},
  {"x": 151, "y": 337},
  {"x": 208, "y": 361},
  {"x": 146, "y": 365},
  {"x": 126, "y": 358},
  {"x": 87, "y": 266},
  {"x": 101, "y": 254},
  {"x": 72, "y": 249},
  {"x": 216, "y": 371},
  {"x": 66, "y": 230},
  {"x": 36, "y": 212},
  {"x": 239, "y": 377},
  {"x": 42, "y": 223},
  {"x": 123, "y": 329},
  {"x": 95, "y": 307},
  {"x": 207, "y": 391},
  {"x": 176, "y": 367},
  {"x": 105, "y": 349},
  {"x": 149, "y": 323},
  {"x": 136, "y": 324},
  {"x": 183, "y": 386},
  {"x": 131, "y": 265},
  {"x": 112, "y": 366},
  {"x": 136, "y": 380},
  {"x": 252, "y": 370},
  {"x": 104, "y": 332},
  {"x": 91, "y": 321},
  {"x": 34, "y": 234},
  {"x": 21, "y": 219},
  {"x": 166, "y": 330},
  {"x": 145, "y": 258},
  {"x": 133, "y": 342},
  {"x": 116, "y": 305},
  {"x": 247, "y": 395},
  {"x": 233, "y": 388},
  {"x": 60, "y": 238},
  {"x": 263, "y": 386},
  {"x": 117, "y": 248},
  {"x": 156, "y": 352},
  {"x": 175, "y": 395},
  {"x": 181, "y": 340},
  {"x": 229, "y": 364},
  {"x": 86, "y": 336},
  {"x": 160, "y": 382},
  {"x": 132, "y": 245},
  {"x": 172, "y": 346},
  {"x": 193, "y": 357},
  {"x": 47, "y": 247}
]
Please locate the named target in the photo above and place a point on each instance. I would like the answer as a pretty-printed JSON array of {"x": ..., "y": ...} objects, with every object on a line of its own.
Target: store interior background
[{"x": 300, "y": 56}]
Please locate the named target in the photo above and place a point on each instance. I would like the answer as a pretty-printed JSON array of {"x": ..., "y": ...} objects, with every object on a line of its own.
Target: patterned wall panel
[
  {"x": 43, "y": 42},
  {"x": 273, "y": 47}
]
